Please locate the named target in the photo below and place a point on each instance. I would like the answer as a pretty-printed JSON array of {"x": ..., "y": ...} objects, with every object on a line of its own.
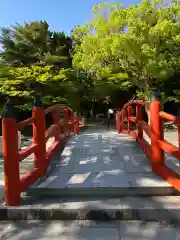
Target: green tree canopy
[
  {"x": 138, "y": 45},
  {"x": 34, "y": 43}
]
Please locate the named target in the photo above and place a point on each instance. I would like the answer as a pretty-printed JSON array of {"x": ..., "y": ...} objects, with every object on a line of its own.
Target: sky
[{"x": 61, "y": 15}]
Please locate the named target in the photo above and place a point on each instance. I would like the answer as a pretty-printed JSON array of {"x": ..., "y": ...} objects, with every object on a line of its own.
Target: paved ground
[
  {"x": 100, "y": 158},
  {"x": 87, "y": 230}
]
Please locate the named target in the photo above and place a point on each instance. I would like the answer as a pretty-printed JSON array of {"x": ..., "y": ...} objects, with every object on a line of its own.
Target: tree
[
  {"x": 138, "y": 45},
  {"x": 34, "y": 43}
]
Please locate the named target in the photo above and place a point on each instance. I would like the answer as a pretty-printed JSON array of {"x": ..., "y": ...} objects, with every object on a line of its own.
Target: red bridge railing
[
  {"x": 155, "y": 150},
  {"x": 14, "y": 183}
]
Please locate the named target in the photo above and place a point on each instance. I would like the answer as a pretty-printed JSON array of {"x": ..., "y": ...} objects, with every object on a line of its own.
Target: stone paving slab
[
  {"x": 154, "y": 208},
  {"x": 101, "y": 164},
  {"x": 74, "y": 230},
  {"x": 130, "y": 230},
  {"x": 107, "y": 183},
  {"x": 58, "y": 230},
  {"x": 102, "y": 161}
]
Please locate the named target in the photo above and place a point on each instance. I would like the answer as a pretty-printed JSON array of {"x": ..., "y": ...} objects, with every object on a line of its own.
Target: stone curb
[{"x": 127, "y": 208}]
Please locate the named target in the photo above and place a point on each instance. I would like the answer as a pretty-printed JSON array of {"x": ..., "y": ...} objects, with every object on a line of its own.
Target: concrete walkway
[{"x": 88, "y": 230}]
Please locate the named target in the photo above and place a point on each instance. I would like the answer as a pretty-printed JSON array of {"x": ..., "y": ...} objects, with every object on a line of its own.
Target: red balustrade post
[
  {"x": 66, "y": 121},
  {"x": 178, "y": 117},
  {"x": 10, "y": 155},
  {"x": 179, "y": 134},
  {"x": 118, "y": 121},
  {"x": 76, "y": 121},
  {"x": 39, "y": 137},
  {"x": 124, "y": 116},
  {"x": 72, "y": 122},
  {"x": 56, "y": 121},
  {"x": 138, "y": 118},
  {"x": 157, "y": 132},
  {"x": 129, "y": 114}
]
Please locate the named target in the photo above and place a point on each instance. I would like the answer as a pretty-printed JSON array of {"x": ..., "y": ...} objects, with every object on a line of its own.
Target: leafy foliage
[
  {"x": 138, "y": 45},
  {"x": 120, "y": 52},
  {"x": 34, "y": 43}
]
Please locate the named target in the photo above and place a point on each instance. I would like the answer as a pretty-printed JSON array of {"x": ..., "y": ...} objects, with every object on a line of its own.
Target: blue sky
[{"x": 60, "y": 14}]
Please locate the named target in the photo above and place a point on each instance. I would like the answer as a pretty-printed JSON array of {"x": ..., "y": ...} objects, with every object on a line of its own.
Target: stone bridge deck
[
  {"x": 99, "y": 175},
  {"x": 100, "y": 162}
]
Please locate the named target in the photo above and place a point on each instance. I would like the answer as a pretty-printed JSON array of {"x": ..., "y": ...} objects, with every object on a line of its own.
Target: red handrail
[
  {"x": 26, "y": 122},
  {"x": 158, "y": 146},
  {"x": 14, "y": 183}
]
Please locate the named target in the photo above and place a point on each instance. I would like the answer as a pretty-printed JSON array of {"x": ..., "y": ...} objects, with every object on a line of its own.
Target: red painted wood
[
  {"x": 11, "y": 161},
  {"x": 54, "y": 146},
  {"x": 29, "y": 178},
  {"x": 56, "y": 117},
  {"x": 170, "y": 148},
  {"x": 168, "y": 175},
  {"x": 39, "y": 139},
  {"x": 25, "y": 123},
  {"x": 145, "y": 126},
  {"x": 156, "y": 134},
  {"x": 50, "y": 132},
  {"x": 24, "y": 153}
]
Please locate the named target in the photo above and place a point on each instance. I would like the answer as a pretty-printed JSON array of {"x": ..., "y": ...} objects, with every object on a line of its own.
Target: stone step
[
  {"x": 104, "y": 184},
  {"x": 154, "y": 208},
  {"x": 104, "y": 191},
  {"x": 94, "y": 230}
]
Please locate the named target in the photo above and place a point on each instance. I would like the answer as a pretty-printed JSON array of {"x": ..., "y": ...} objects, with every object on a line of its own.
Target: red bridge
[{"x": 69, "y": 125}]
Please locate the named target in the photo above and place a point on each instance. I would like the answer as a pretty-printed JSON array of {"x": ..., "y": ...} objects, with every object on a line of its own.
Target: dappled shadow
[
  {"x": 101, "y": 225},
  {"x": 104, "y": 159},
  {"x": 101, "y": 158}
]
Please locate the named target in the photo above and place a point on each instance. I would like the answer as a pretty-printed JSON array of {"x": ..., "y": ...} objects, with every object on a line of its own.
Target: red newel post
[
  {"x": 118, "y": 121},
  {"x": 72, "y": 123},
  {"x": 129, "y": 114},
  {"x": 178, "y": 117},
  {"x": 56, "y": 121},
  {"x": 66, "y": 121},
  {"x": 76, "y": 124},
  {"x": 157, "y": 133},
  {"x": 138, "y": 118},
  {"x": 10, "y": 155},
  {"x": 39, "y": 137},
  {"x": 124, "y": 115}
]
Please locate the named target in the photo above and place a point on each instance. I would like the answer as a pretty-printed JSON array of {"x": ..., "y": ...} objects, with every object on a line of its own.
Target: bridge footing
[{"x": 152, "y": 208}]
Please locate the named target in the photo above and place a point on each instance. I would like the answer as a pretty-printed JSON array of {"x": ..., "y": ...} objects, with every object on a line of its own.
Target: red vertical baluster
[
  {"x": 39, "y": 137},
  {"x": 129, "y": 114},
  {"x": 56, "y": 121},
  {"x": 157, "y": 132},
  {"x": 139, "y": 118},
  {"x": 10, "y": 155}
]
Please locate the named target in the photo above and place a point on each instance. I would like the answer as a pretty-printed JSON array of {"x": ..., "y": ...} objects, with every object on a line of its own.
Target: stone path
[
  {"x": 100, "y": 161},
  {"x": 88, "y": 230}
]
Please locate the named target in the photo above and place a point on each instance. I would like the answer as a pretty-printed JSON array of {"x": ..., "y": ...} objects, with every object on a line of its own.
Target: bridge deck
[{"x": 102, "y": 162}]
